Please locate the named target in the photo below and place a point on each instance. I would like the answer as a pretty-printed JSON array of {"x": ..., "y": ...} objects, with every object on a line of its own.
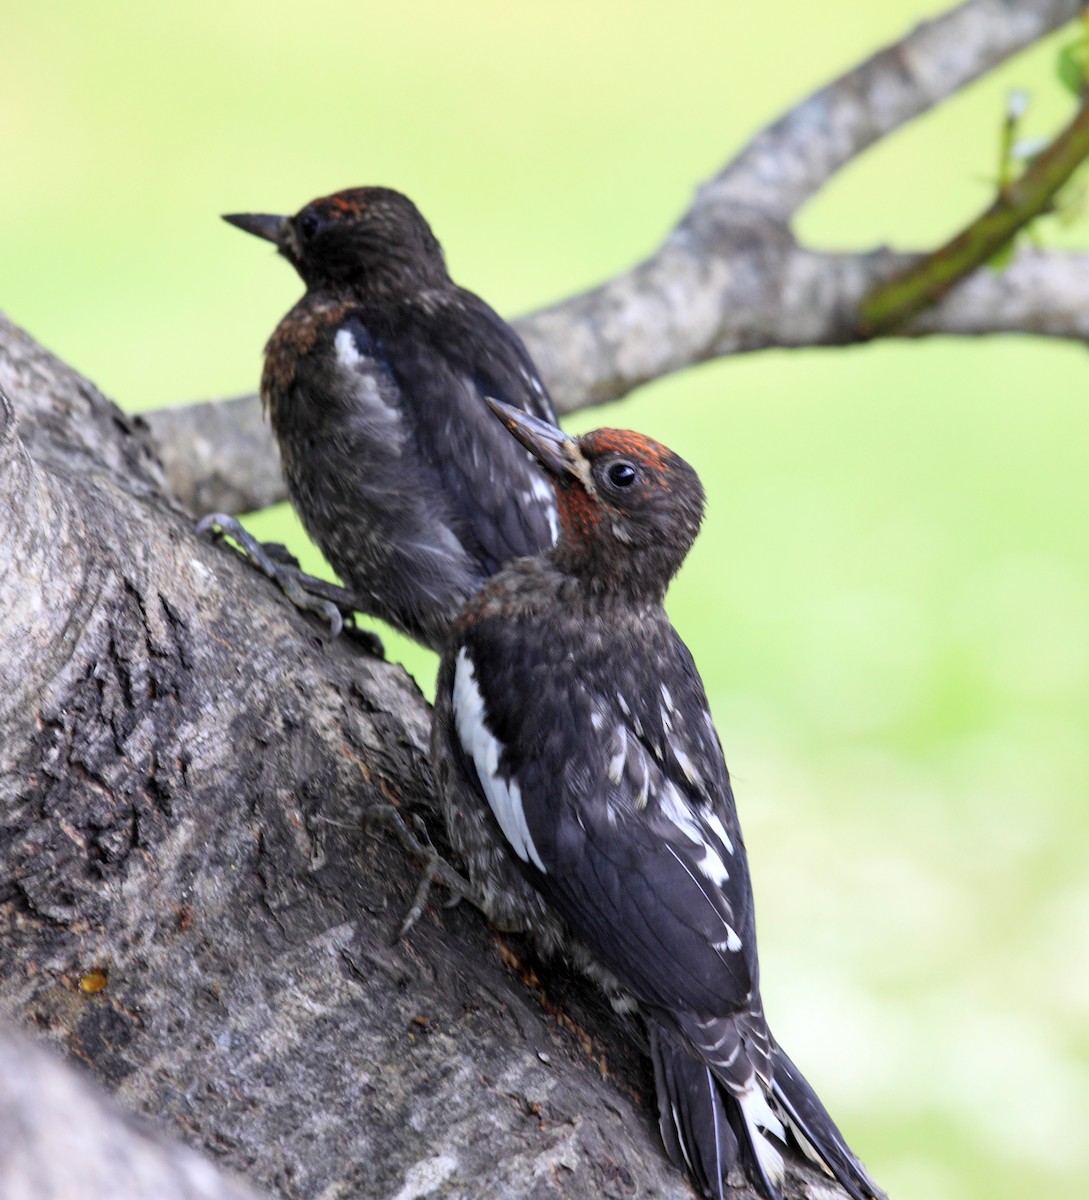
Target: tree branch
[
  {"x": 896, "y": 301},
  {"x": 814, "y": 302},
  {"x": 730, "y": 278},
  {"x": 202, "y": 447},
  {"x": 790, "y": 161},
  {"x": 1039, "y": 293}
]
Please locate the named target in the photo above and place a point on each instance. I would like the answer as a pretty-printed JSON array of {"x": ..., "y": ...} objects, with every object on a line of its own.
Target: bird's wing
[
  {"x": 441, "y": 362},
  {"x": 609, "y": 786},
  {"x": 597, "y": 757},
  {"x": 495, "y": 356}
]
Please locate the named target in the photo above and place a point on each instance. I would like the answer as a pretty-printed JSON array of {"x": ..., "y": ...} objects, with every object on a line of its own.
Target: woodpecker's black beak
[
  {"x": 551, "y": 447},
  {"x": 264, "y": 225}
]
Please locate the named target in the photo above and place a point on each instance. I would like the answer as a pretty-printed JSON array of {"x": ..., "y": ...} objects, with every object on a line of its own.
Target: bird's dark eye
[
  {"x": 309, "y": 224},
  {"x": 622, "y": 475}
]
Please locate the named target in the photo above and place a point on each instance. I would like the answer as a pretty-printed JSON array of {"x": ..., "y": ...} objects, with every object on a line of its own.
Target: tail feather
[
  {"x": 707, "y": 1125},
  {"x": 814, "y": 1130},
  {"x": 762, "y": 1126},
  {"x": 726, "y": 1090},
  {"x": 691, "y": 1112}
]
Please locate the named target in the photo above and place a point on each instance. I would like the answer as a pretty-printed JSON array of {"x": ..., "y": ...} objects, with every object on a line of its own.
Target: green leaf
[{"x": 1071, "y": 66}]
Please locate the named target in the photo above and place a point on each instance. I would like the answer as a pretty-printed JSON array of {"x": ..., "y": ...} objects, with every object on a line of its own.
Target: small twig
[{"x": 895, "y": 302}]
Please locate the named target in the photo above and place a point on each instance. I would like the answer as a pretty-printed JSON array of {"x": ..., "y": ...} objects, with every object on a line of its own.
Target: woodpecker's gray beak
[
  {"x": 264, "y": 225},
  {"x": 551, "y": 447}
]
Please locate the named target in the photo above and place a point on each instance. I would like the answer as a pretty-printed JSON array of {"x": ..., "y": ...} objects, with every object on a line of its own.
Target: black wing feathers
[
  {"x": 444, "y": 360},
  {"x": 508, "y": 374},
  {"x": 649, "y": 885}
]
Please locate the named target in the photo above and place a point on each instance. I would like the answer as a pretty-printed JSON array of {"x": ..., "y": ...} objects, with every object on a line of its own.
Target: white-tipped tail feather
[
  {"x": 761, "y": 1124},
  {"x": 714, "y": 1105}
]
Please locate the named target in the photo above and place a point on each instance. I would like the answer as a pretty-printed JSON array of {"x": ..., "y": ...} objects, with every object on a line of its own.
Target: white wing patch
[
  {"x": 544, "y": 494},
  {"x": 674, "y": 806},
  {"x": 689, "y": 769},
  {"x": 715, "y": 821},
  {"x": 375, "y": 413},
  {"x": 715, "y": 869},
  {"x": 347, "y": 352},
  {"x": 504, "y": 798},
  {"x": 616, "y": 763},
  {"x": 732, "y": 942}
]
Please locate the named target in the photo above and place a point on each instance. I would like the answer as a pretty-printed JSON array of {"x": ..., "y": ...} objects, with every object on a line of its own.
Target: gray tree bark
[
  {"x": 62, "y": 1137},
  {"x": 190, "y": 905}
]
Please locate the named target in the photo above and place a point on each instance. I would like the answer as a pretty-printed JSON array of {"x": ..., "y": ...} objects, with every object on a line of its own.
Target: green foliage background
[{"x": 890, "y": 601}]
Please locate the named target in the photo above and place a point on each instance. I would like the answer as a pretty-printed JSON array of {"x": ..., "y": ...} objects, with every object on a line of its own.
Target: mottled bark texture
[
  {"x": 731, "y": 278},
  {"x": 190, "y": 906},
  {"x": 62, "y": 1137}
]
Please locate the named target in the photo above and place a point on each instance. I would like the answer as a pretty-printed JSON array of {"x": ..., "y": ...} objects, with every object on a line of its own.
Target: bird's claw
[
  {"x": 436, "y": 868},
  {"x": 327, "y": 601},
  {"x": 290, "y": 581}
]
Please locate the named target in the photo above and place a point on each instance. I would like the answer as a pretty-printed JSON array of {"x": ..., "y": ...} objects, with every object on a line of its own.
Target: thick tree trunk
[
  {"x": 60, "y": 1137},
  {"x": 189, "y": 902}
]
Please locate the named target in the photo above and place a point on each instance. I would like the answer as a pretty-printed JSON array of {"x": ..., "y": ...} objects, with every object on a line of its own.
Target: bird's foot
[
  {"x": 328, "y": 601},
  {"x": 436, "y": 868}
]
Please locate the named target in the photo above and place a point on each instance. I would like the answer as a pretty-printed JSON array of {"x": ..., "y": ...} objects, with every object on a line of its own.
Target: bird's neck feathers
[
  {"x": 597, "y": 549},
  {"x": 408, "y": 276},
  {"x": 394, "y": 281},
  {"x": 611, "y": 570}
]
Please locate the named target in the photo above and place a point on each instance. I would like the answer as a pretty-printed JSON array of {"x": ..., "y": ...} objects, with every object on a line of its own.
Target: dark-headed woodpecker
[
  {"x": 583, "y": 783},
  {"x": 375, "y": 383}
]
